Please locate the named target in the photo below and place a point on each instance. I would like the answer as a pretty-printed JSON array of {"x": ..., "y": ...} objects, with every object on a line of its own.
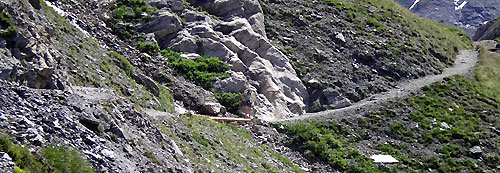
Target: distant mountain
[
  {"x": 489, "y": 31},
  {"x": 464, "y": 14}
]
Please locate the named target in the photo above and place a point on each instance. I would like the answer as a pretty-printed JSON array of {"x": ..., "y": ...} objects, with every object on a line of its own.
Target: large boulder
[{"x": 163, "y": 24}]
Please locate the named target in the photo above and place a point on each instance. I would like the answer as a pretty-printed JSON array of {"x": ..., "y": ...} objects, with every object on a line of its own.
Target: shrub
[
  {"x": 232, "y": 101},
  {"x": 129, "y": 11},
  {"x": 149, "y": 48},
  {"x": 203, "y": 71},
  {"x": 7, "y": 26},
  {"x": 55, "y": 159},
  {"x": 60, "y": 159}
]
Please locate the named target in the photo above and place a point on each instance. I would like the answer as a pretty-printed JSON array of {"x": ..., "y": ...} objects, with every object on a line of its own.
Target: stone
[
  {"x": 235, "y": 83},
  {"x": 476, "y": 150},
  {"x": 116, "y": 130},
  {"x": 212, "y": 109},
  {"x": 314, "y": 83},
  {"x": 335, "y": 99},
  {"x": 6, "y": 163},
  {"x": 148, "y": 83},
  {"x": 341, "y": 37},
  {"x": 163, "y": 24},
  {"x": 36, "y": 4}
]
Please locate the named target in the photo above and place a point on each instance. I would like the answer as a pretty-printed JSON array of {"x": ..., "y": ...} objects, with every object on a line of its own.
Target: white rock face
[{"x": 277, "y": 92}]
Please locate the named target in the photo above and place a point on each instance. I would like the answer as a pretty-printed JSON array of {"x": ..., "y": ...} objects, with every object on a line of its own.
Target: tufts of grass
[
  {"x": 50, "y": 159},
  {"x": 127, "y": 12},
  {"x": 149, "y": 48},
  {"x": 124, "y": 63},
  {"x": 61, "y": 159},
  {"x": 7, "y": 28},
  {"x": 487, "y": 72}
]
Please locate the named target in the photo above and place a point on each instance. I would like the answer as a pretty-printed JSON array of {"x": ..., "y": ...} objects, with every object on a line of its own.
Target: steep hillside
[
  {"x": 489, "y": 31},
  {"x": 464, "y": 14},
  {"x": 345, "y": 52},
  {"x": 127, "y": 85},
  {"x": 450, "y": 126}
]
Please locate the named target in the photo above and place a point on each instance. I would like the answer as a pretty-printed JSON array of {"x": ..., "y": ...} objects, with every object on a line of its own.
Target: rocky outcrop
[
  {"x": 489, "y": 31},
  {"x": 240, "y": 41}
]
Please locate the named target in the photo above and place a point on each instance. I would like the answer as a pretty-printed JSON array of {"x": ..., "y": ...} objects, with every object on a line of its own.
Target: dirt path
[{"x": 464, "y": 62}]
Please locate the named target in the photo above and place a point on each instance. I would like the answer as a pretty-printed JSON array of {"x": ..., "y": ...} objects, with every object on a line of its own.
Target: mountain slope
[
  {"x": 466, "y": 15},
  {"x": 489, "y": 31},
  {"x": 128, "y": 83},
  {"x": 345, "y": 52},
  {"x": 450, "y": 126}
]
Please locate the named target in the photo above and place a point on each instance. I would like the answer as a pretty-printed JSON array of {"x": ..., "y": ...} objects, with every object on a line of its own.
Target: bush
[
  {"x": 203, "y": 71},
  {"x": 232, "y": 101},
  {"x": 7, "y": 26},
  {"x": 60, "y": 159},
  {"x": 149, "y": 48},
  {"x": 54, "y": 159},
  {"x": 128, "y": 11}
]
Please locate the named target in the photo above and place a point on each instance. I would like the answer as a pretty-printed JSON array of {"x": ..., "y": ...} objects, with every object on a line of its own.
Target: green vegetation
[
  {"x": 206, "y": 142},
  {"x": 7, "y": 28},
  {"x": 128, "y": 12},
  {"x": 444, "y": 120},
  {"x": 327, "y": 142},
  {"x": 60, "y": 159},
  {"x": 445, "y": 39},
  {"x": 232, "y": 101},
  {"x": 50, "y": 159},
  {"x": 124, "y": 63},
  {"x": 487, "y": 73},
  {"x": 203, "y": 71},
  {"x": 149, "y": 48}
]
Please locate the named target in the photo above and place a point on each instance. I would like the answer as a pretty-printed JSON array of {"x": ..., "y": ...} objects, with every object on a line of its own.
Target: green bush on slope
[
  {"x": 203, "y": 71},
  {"x": 51, "y": 159}
]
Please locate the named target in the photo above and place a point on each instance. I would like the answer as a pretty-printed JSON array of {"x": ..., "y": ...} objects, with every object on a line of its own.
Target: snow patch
[
  {"x": 384, "y": 159},
  {"x": 459, "y": 6},
  {"x": 415, "y": 3},
  {"x": 64, "y": 14}
]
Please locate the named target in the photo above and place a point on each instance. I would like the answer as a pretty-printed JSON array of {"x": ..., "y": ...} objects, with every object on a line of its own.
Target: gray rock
[
  {"x": 212, "y": 109},
  {"x": 341, "y": 37},
  {"x": 6, "y": 163},
  {"x": 35, "y": 4},
  {"x": 147, "y": 82},
  {"x": 236, "y": 83},
  {"x": 162, "y": 25},
  {"x": 335, "y": 99},
  {"x": 476, "y": 150}
]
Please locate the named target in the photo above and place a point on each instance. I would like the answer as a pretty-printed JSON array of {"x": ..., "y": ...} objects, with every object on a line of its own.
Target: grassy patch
[
  {"x": 207, "y": 142},
  {"x": 128, "y": 12},
  {"x": 50, "y": 159},
  {"x": 326, "y": 141},
  {"x": 124, "y": 63},
  {"x": 149, "y": 48},
  {"x": 487, "y": 72},
  {"x": 7, "y": 27},
  {"x": 203, "y": 71}
]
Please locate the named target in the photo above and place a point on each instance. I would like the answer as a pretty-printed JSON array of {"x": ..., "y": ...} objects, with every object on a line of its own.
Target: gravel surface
[{"x": 464, "y": 62}]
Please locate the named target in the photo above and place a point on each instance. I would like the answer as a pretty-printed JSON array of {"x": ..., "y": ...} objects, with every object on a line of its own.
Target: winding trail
[{"x": 464, "y": 62}]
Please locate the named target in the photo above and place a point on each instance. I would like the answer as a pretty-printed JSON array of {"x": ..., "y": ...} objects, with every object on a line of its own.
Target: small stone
[{"x": 476, "y": 150}]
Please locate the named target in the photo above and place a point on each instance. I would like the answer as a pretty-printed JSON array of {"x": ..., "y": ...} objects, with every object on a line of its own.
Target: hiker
[{"x": 248, "y": 103}]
